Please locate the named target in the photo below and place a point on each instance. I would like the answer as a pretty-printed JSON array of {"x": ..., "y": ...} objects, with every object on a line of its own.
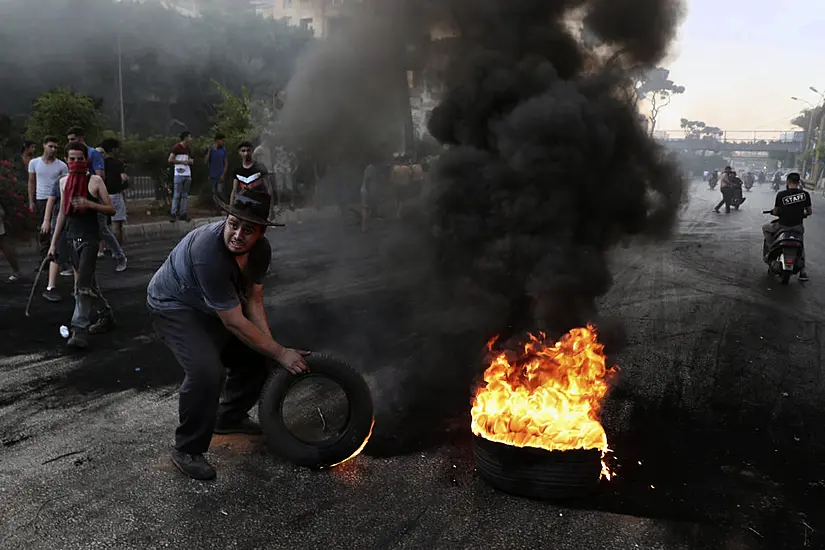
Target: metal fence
[{"x": 141, "y": 187}]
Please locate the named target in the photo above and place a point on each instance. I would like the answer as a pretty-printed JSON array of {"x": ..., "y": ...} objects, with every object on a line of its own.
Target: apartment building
[{"x": 322, "y": 17}]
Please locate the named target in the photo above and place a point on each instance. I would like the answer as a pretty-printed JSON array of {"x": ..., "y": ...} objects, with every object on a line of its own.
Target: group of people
[
  {"x": 272, "y": 170},
  {"x": 731, "y": 187},
  {"x": 78, "y": 202}
]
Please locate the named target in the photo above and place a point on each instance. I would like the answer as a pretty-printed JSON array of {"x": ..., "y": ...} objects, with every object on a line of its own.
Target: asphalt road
[{"x": 716, "y": 421}]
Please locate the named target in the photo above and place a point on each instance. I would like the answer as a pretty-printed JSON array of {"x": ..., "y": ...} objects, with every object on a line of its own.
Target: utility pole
[{"x": 120, "y": 86}]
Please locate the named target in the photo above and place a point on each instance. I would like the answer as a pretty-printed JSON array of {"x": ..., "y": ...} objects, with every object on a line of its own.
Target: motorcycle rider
[
  {"x": 777, "y": 179},
  {"x": 792, "y": 206}
]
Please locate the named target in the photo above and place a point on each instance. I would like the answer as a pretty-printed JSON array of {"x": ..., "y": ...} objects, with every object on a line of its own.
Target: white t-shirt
[
  {"x": 181, "y": 153},
  {"x": 47, "y": 176}
]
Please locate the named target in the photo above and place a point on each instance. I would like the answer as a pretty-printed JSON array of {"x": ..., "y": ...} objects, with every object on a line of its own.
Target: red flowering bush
[{"x": 18, "y": 218}]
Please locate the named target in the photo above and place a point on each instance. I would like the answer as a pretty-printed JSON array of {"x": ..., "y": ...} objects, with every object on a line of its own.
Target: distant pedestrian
[
  {"x": 284, "y": 166},
  {"x": 181, "y": 159},
  {"x": 44, "y": 176},
  {"x": 116, "y": 181},
  {"x": 217, "y": 161},
  {"x": 249, "y": 175},
  {"x": 76, "y": 134}
]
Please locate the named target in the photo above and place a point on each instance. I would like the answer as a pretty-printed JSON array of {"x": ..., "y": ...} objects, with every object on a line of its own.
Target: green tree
[
  {"x": 53, "y": 113},
  {"x": 168, "y": 60},
  {"x": 233, "y": 114},
  {"x": 696, "y": 129},
  {"x": 658, "y": 90}
]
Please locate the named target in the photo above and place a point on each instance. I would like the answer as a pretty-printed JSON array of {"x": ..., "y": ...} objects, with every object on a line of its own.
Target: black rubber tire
[
  {"x": 536, "y": 473},
  {"x": 785, "y": 278},
  {"x": 357, "y": 428}
]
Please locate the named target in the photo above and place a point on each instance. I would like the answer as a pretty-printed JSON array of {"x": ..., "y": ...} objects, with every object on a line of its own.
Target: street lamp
[
  {"x": 808, "y": 134},
  {"x": 819, "y": 137}
]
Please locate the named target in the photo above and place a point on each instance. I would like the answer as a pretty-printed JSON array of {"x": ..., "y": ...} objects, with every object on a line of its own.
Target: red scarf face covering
[{"x": 77, "y": 184}]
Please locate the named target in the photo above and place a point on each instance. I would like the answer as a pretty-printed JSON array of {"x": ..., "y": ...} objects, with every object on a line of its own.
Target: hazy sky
[{"x": 741, "y": 60}]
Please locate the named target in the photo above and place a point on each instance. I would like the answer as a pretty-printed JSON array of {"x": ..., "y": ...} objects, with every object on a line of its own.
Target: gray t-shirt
[
  {"x": 47, "y": 176},
  {"x": 201, "y": 274}
]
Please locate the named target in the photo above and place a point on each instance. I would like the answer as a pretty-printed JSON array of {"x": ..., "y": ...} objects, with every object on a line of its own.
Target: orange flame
[
  {"x": 548, "y": 396},
  {"x": 359, "y": 449}
]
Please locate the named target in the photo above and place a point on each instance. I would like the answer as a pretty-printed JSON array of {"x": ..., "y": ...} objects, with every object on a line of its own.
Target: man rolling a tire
[{"x": 206, "y": 303}]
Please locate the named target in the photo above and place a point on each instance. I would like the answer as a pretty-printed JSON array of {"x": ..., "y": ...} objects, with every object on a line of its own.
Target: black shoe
[
  {"x": 195, "y": 466},
  {"x": 79, "y": 339},
  {"x": 245, "y": 426},
  {"x": 51, "y": 295},
  {"x": 105, "y": 322},
  {"x": 185, "y": 218},
  {"x": 173, "y": 219},
  {"x": 716, "y": 210},
  {"x": 803, "y": 276}
]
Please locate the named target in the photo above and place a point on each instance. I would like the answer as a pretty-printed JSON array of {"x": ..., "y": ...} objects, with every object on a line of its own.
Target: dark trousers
[
  {"x": 214, "y": 361},
  {"x": 217, "y": 188},
  {"x": 727, "y": 197},
  {"x": 83, "y": 254}
]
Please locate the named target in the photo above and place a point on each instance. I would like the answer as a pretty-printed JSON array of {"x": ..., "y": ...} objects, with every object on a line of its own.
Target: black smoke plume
[{"x": 548, "y": 165}]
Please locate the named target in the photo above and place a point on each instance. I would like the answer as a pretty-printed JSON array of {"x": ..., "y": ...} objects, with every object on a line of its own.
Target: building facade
[{"x": 322, "y": 17}]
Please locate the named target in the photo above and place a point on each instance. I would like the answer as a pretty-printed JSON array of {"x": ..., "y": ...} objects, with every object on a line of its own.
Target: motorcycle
[
  {"x": 712, "y": 182},
  {"x": 777, "y": 181},
  {"x": 736, "y": 194},
  {"x": 749, "y": 180},
  {"x": 785, "y": 257}
]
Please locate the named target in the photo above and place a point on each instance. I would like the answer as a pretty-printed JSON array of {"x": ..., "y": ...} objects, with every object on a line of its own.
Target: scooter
[
  {"x": 786, "y": 257},
  {"x": 736, "y": 194}
]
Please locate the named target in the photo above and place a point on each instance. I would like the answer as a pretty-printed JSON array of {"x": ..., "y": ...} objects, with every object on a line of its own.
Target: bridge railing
[{"x": 738, "y": 136}]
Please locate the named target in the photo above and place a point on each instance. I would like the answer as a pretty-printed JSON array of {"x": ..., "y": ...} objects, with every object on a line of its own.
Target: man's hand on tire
[{"x": 293, "y": 360}]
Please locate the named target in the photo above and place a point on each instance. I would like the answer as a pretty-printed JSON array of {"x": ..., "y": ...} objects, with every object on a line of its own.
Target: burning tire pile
[{"x": 536, "y": 417}]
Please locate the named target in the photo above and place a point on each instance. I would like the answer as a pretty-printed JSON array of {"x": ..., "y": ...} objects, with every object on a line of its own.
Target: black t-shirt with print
[
  {"x": 792, "y": 204},
  {"x": 250, "y": 178}
]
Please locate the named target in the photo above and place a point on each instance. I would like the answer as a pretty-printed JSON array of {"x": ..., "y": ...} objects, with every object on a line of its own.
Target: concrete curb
[{"x": 164, "y": 229}]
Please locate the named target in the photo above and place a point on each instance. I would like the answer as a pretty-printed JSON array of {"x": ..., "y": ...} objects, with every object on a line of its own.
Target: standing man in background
[
  {"x": 44, "y": 174},
  {"x": 218, "y": 162},
  {"x": 181, "y": 159},
  {"x": 250, "y": 174},
  {"x": 116, "y": 182},
  {"x": 284, "y": 168},
  {"x": 76, "y": 134}
]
